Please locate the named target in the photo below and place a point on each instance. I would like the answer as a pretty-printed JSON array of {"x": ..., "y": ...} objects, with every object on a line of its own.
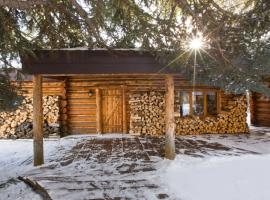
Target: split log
[
  {"x": 147, "y": 117},
  {"x": 147, "y": 113},
  {"x": 231, "y": 121},
  {"x": 19, "y": 123}
]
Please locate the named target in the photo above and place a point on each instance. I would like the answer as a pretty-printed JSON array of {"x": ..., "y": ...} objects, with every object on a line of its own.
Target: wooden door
[{"x": 112, "y": 111}]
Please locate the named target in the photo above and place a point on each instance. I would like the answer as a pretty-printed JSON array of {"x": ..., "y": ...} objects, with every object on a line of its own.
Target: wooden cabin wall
[
  {"x": 78, "y": 109},
  {"x": 260, "y": 111},
  {"x": 260, "y": 108},
  {"x": 82, "y": 108}
]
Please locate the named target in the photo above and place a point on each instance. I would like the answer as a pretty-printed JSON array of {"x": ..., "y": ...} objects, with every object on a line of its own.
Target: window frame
[{"x": 204, "y": 92}]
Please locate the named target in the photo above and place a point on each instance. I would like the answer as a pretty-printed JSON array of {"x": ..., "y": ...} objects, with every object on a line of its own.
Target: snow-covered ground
[
  {"x": 224, "y": 178},
  {"x": 241, "y": 172},
  {"x": 16, "y": 156}
]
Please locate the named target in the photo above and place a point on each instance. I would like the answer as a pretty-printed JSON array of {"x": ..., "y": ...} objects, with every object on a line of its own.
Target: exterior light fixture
[{"x": 90, "y": 93}]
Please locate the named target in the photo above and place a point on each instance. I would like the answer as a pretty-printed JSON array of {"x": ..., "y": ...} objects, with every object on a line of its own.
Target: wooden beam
[
  {"x": 98, "y": 111},
  {"x": 38, "y": 120},
  {"x": 169, "y": 118},
  {"x": 124, "y": 110},
  {"x": 205, "y": 104},
  {"x": 191, "y": 110},
  {"x": 219, "y": 102}
]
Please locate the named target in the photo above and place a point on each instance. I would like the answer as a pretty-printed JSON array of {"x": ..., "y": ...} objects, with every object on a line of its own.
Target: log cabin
[{"x": 124, "y": 91}]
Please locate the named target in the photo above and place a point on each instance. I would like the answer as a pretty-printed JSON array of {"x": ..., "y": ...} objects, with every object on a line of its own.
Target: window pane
[
  {"x": 198, "y": 103},
  {"x": 184, "y": 103},
  {"x": 211, "y": 103}
]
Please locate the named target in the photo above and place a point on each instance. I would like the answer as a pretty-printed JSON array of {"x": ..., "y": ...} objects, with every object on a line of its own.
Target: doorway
[{"x": 112, "y": 110}]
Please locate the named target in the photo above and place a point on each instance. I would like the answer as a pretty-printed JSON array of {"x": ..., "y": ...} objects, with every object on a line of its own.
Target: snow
[
  {"x": 19, "y": 191},
  {"x": 234, "y": 178},
  {"x": 239, "y": 173},
  {"x": 16, "y": 158},
  {"x": 17, "y": 155}
]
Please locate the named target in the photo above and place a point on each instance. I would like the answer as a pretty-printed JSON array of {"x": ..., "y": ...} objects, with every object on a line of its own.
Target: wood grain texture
[
  {"x": 124, "y": 110},
  {"x": 260, "y": 110},
  {"x": 78, "y": 109},
  {"x": 99, "y": 124},
  {"x": 112, "y": 116},
  {"x": 169, "y": 119},
  {"x": 38, "y": 120}
]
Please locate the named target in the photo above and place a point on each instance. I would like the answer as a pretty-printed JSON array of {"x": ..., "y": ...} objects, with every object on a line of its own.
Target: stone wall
[
  {"x": 18, "y": 123},
  {"x": 147, "y": 117}
]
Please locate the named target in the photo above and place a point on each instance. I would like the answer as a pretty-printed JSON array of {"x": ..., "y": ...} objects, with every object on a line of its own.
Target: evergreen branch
[
  {"x": 20, "y": 4},
  {"x": 92, "y": 28}
]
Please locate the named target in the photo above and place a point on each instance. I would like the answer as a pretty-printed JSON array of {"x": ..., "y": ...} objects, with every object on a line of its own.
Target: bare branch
[{"x": 36, "y": 187}]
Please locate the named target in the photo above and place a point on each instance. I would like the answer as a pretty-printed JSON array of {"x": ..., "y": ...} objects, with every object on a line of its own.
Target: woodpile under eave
[
  {"x": 18, "y": 123},
  {"x": 147, "y": 117}
]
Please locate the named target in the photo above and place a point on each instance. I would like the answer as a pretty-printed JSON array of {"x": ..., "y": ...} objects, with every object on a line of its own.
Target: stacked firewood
[
  {"x": 231, "y": 121},
  {"x": 18, "y": 123},
  {"x": 147, "y": 113}
]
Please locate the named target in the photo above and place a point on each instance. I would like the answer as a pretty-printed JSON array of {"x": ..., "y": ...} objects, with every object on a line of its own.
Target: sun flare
[{"x": 196, "y": 43}]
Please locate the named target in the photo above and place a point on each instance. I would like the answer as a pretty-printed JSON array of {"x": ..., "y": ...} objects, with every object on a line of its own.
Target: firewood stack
[
  {"x": 233, "y": 120},
  {"x": 18, "y": 123},
  {"x": 147, "y": 117},
  {"x": 147, "y": 113}
]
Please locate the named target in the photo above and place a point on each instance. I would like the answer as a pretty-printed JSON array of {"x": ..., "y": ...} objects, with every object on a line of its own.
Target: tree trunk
[
  {"x": 169, "y": 118},
  {"x": 38, "y": 120}
]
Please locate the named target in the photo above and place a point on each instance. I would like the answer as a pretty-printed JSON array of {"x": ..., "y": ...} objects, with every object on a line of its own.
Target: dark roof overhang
[{"x": 76, "y": 61}]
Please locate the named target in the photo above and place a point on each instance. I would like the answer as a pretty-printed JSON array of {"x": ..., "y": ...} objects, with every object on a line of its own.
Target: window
[
  {"x": 184, "y": 104},
  {"x": 211, "y": 99},
  {"x": 200, "y": 103}
]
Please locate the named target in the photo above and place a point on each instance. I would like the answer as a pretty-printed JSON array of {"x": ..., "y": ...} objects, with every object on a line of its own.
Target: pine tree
[{"x": 237, "y": 33}]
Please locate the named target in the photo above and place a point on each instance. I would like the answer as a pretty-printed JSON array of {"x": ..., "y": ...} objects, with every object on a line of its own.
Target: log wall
[
  {"x": 260, "y": 109},
  {"x": 82, "y": 108},
  {"x": 78, "y": 108}
]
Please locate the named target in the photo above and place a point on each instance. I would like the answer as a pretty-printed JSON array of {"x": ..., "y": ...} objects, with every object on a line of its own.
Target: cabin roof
[{"x": 95, "y": 61}]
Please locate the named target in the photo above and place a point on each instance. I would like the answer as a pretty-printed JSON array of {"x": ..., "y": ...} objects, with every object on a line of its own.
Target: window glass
[
  {"x": 198, "y": 103},
  {"x": 211, "y": 103},
  {"x": 184, "y": 103}
]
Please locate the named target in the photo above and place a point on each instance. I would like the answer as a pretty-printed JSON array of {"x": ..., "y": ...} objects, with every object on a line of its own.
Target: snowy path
[
  {"x": 115, "y": 168},
  {"x": 129, "y": 167}
]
